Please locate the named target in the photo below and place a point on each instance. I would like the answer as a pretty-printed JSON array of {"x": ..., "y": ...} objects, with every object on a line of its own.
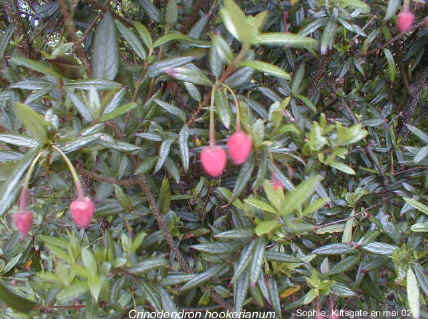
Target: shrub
[{"x": 319, "y": 105}]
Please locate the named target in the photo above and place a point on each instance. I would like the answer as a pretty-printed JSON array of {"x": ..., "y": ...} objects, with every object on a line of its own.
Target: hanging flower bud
[
  {"x": 213, "y": 160},
  {"x": 405, "y": 20},
  {"x": 240, "y": 145},
  {"x": 82, "y": 210},
  {"x": 277, "y": 184},
  {"x": 23, "y": 221}
]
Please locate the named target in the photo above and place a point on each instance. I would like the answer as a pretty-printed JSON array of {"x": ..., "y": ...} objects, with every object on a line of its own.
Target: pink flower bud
[
  {"x": 23, "y": 221},
  {"x": 426, "y": 22},
  {"x": 82, "y": 210},
  {"x": 405, "y": 20},
  {"x": 213, "y": 160},
  {"x": 277, "y": 184},
  {"x": 240, "y": 145}
]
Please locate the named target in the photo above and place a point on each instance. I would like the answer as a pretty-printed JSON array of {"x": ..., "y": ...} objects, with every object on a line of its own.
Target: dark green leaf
[
  {"x": 183, "y": 137},
  {"x": 10, "y": 188},
  {"x": 257, "y": 261},
  {"x": 379, "y": 248},
  {"x": 118, "y": 112},
  {"x": 148, "y": 264},
  {"x": 413, "y": 293},
  {"x": 244, "y": 260},
  {"x": 285, "y": 39},
  {"x": 151, "y": 10},
  {"x": 132, "y": 39},
  {"x": 172, "y": 109},
  {"x": 333, "y": 249},
  {"x": 18, "y": 140},
  {"x": 180, "y": 37},
  {"x": 204, "y": 277},
  {"x": 105, "y": 55},
  {"x": 161, "y": 66},
  {"x": 243, "y": 178},
  {"x": 267, "y": 68},
  {"x": 14, "y": 301},
  {"x": 5, "y": 39},
  {"x": 34, "y": 65}
]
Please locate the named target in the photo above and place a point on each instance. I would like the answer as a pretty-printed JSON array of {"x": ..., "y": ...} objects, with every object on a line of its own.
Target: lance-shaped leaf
[
  {"x": 81, "y": 107},
  {"x": 18, "y": 140},
  {"x": 33, "y": 122},
  {"x": 163, "y": 153},
  {"x": 119, "y": 111},
  {"x": 172, "y": 109},
  {"x": 161, "y": 66},
  {"x": 418, "y": 205},
  {"x": 257, "y": 261},
  {"x": 150, "y": 9},
  {"x": 105, "y": 55},
  {"x": 240, "y": 291},
  {"x": 14, "y": 301},
  {"x": 204, "y": 277},
  {"x": 267, "y": 68},
  {"x": 36, "y": 66},
  {"x": 243, "y": 178},
  {"x": 171, "y": 12},
  {"x": 244, "y": 260},
  {"x": 289, "y": 40},
  {"x": 180, "y": 37},
  {"x": 300, "y": 195},
  {"x": 413, "y": 293},
  {"x": 148, "y": 264},
  {"x": 5, "y": 39},
  {"x": 9, "y": 188},
  {"x": 183, "y": 137},
  {"x": 132, "y": 39},
  {"x": 189, "y": 73},
  {"x": 237, "y": 23}
]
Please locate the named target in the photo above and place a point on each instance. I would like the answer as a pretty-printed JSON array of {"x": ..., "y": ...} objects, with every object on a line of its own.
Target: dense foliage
[{"x": 319, "y": 201}]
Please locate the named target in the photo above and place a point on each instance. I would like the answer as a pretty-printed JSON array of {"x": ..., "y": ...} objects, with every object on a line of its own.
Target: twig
[
  {"x": 69, "y": 24},
  {"x": 111, "y": 180},
  {"x": 50, "y": 308},
  {"x": 26, "y": 47},
  {"x": 142, "y": 181},
  {"x": 232, "y": 67},
  {"x": 164, "y": 228},
  {"x": 397, "y": 37}
]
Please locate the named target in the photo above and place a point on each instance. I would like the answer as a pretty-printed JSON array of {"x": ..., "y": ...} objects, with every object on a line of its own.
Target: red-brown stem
[
  {"x": 23, "y": 200},
  {"x": 406, "y": 6},
  {"x": 212, "y": 125}
]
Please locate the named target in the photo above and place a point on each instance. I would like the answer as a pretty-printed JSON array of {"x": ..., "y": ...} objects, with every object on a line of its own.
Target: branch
[
  {"x": 397, "y": 37},
  {"x": 69, "y": 24},
  {"x": 142, "y": 181},
  {"x": 25, "y": 47},
  {"x": 231, "y": 68}
]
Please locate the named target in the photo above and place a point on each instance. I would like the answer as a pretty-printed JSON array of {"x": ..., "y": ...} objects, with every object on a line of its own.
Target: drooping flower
[
  {"x": 213, "y": 160},
  {"x": 240, "y": 145}
]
